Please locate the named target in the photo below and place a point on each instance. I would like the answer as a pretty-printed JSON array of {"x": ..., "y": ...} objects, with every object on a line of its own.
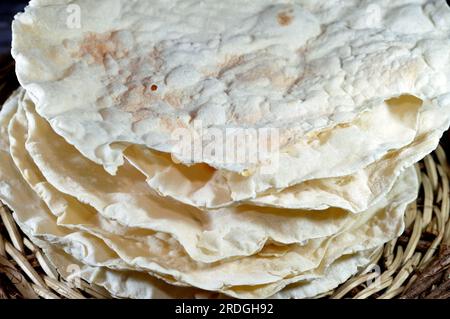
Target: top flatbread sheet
[{"x": 136, "y": 71}]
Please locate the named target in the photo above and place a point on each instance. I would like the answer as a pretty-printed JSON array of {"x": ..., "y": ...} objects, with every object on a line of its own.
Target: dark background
[{"x": 8, "y": 9}]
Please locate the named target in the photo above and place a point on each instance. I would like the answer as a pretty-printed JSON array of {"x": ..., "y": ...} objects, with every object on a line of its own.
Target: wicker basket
[{"x": 415, "y": 265}]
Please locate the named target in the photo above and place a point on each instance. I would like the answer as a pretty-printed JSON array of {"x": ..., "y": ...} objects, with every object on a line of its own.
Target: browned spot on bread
[
  {"x": 174, "y": 99},
  {"x": 156, "y": 59},
  {"x": 276, "y": 77},
  {"x": 140, "y": 102},
  {"x": 170, "y": 124},
  {"x": 99, "y": 46},
  {"x": 284, "y": 19},
  {"x": 133, "y": 100},
  {"x": 228, "y": 63},
  {"x": 141, "y": 114}
]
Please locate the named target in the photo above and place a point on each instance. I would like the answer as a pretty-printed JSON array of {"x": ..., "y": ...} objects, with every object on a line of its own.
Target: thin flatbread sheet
[{"x": 106, "y": 74}]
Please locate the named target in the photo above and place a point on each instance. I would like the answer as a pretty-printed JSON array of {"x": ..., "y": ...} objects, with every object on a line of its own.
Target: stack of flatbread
[{"x": 96, "y": 147}]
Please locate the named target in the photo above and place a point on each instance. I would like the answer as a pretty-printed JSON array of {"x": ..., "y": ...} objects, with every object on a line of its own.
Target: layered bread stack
[{"x": 249, "y": 148}]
